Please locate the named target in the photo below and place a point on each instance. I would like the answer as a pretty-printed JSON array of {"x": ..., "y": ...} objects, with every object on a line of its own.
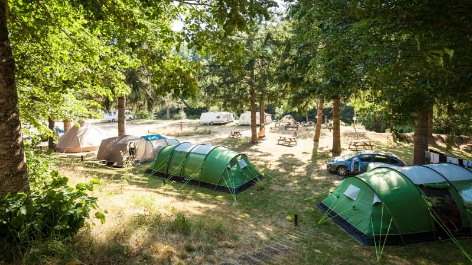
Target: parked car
[{"x": 342, "y": 164}]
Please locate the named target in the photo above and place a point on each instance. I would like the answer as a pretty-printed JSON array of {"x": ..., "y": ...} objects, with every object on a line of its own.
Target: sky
[{"x": 178, "y": 25}]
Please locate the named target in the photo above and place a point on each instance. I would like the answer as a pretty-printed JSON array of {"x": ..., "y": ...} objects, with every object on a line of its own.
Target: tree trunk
[
  {"x": 13, "y": 170},
  {"x": 262, "y": 114},
  {"x": 421, "y": 137},
  {"x": 66, "y": 125},
  {"x": 253, "y": 112},
  {"x": 168, "y": 113},
  {"x": 430, "y": 123},
  {"x": 319, "y": 120},
  {"x": 121, "y": 115},
  {"x": 51, "y": 124},
  {"x": 252, "y": 81},
  {"x": 336, "y": 128}
]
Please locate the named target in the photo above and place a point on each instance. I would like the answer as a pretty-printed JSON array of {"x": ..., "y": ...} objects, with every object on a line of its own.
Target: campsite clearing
[{"x": 152, "y": 223}]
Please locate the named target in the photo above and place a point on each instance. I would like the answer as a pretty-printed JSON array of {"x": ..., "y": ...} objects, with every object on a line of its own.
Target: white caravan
[
  {"x": 113, "y": 116},
  {"x": 245, "y": 118},
  {"x": 216, "y": 117}
]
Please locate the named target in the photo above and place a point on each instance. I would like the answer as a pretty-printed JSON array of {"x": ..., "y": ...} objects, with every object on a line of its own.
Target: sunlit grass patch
[{"x": 152, "y": 223}]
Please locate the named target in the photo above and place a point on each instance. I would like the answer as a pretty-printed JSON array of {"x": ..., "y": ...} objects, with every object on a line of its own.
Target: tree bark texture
[
  {"x": 262, "y": 114},
  {"x": 336, "y": 127},
  {"x": 253, "y": 112},
  {"x": 430, "y": 123},
  {"x": 421, "y": 137},
  {"x": 51, "y": 124},
  {"x": 319, "y": 120},
  {"x": 66, "y": 125},
  {"x": 121, "y": 115},
  {"x": 252, "y": 91},
  {"x": 167, "y": 113},
  {"x": 13, "y": 170}
]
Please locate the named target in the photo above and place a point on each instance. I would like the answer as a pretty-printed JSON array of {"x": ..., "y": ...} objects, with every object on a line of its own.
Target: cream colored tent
[
  {"x": 84, "y": 139},
  {"x": 114, "y": 149}
]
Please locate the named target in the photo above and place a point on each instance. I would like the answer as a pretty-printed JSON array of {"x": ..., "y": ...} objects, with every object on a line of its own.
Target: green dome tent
[
  {"x": 205, "y": 165},
  {"x": 403, "y": 205}
]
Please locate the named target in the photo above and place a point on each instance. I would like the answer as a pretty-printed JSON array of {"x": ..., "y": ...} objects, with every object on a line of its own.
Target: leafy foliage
[{"x": 52, "y": 209}]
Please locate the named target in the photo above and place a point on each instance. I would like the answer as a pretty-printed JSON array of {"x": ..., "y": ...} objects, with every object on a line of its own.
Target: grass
[{"x": 149, "y": 223}]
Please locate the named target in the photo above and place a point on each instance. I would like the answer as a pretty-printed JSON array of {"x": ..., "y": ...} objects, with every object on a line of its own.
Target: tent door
[{"x": 444, "y": 204}]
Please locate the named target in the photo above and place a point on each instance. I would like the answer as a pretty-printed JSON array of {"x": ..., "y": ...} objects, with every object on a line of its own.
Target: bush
[{"x": 53, "y": 210}]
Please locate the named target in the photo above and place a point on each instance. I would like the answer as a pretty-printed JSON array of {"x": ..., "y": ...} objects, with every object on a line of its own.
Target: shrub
[
  {"x": 53, "y": 210},
  {"x": 56, "y": 211}
]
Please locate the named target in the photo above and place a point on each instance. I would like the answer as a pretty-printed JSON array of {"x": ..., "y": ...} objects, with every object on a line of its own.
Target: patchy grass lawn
[{"x": 152, "y": 223}]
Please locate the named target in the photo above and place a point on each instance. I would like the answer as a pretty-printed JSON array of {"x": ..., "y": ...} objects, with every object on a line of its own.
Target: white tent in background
[{"x": 84, "y": 139}]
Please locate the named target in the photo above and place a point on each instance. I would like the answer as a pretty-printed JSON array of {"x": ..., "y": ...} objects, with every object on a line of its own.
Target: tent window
[
  {"x": 242, "y": 163},
  {"x": 352, "y": 192},
  {"x": 228, "y": 166},
  {"x": 376, "y": 199}
]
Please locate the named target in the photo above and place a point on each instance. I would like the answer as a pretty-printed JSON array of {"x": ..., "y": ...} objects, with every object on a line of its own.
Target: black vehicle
[{"x": 342, "y": 164}]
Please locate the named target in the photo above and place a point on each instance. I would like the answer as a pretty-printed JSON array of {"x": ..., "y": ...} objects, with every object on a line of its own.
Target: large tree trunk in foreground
[
  {"x": 51, "y": 124},
  {"x": 262, "y": 114},
  {"x": 421, "y": 137},
  {"x": 319, "y": 120},
  {"x": 66, "y": 125},
  {"x": 121, "y": 115},
  {"x": 336, "y": 127},
  {"x": 13, "y": 170}
]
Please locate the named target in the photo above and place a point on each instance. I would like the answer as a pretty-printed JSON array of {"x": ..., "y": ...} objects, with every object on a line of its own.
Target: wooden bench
[
  {"x": 287, "y": 140},
  {"x": 235, "y": 134},
  {"x": 361, "y": 144}
]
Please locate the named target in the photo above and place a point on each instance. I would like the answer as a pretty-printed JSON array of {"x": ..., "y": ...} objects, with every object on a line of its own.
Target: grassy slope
[{"x": 149, "y": 223}]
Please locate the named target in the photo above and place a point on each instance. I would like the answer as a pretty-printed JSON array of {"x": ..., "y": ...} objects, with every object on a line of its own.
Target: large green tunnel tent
[
  {"x": 403, "y": 205},
  {"x": 205, "y": 165}
]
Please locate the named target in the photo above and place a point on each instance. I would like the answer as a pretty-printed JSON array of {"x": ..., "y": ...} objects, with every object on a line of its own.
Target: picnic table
[
  {"x": 235, "y": 134},
  {"x": 361, "y": 144},
  {"x": 291, "y": 126},
  {"x": 286, "y": 140}
]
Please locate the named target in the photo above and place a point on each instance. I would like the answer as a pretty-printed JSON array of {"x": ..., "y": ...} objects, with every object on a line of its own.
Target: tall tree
[
  {"x": 87, "y": 45},
  {"x": 13, "y": 171}
]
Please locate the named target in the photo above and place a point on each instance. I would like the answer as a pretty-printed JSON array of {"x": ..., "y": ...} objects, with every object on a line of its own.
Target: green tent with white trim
[
  {"x": 205, "y": 165},
  {"x": 403, "y": 205}
]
